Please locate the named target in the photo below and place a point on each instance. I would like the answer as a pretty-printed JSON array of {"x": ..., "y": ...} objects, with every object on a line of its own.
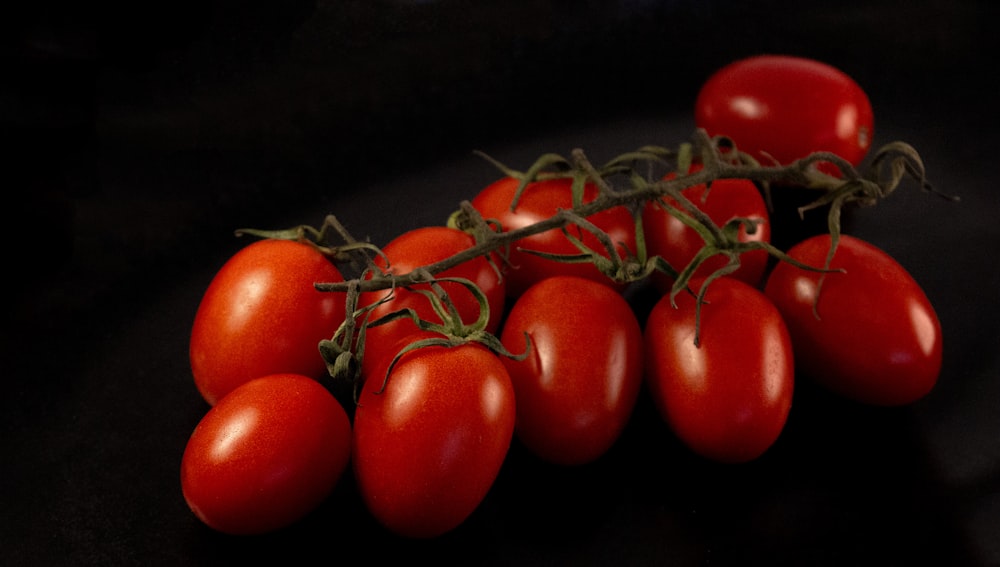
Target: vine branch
[{"x": 720, "y": 160}]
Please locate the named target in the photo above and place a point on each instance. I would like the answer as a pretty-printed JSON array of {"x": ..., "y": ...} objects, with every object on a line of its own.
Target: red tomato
[
  {"x": 422, "y": 247},
  {"x": 266, "y": 455},
  {"x": 728, "y": 398},
  {"x": 428, "y": 447},
  {"x": 539, "y": 201},
  {"x": 261, "y": 315},
  {"x": 786, "y": 107},
  {"x": 877, "y": 338},
  {"x": 677, "y": 243},
  {"x": 576, "y": 389}
]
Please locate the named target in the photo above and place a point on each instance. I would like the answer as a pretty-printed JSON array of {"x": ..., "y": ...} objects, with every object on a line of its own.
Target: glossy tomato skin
[
  {"x": 422, "y": 247},
  {"x": 877, "y": 339},
  {"x": 781, "y": 107},
  {"x": 677, "y": 243},
  {"x": 266, "y": 455},
  {"x": 577, "y": 387},
  {"x": 261, "y": 315},
  {"x": 428, "y": 447},
  {"x": 539, "y": 201},
  {"x": 727, "y": 399}
]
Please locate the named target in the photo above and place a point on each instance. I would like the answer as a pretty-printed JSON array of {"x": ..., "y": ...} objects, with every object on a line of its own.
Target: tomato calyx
[
  {"x": 344, "y": 250},
  {"x": 342, "y": 352},
  {"x": 453, "y": 331},
  {"x": 449, "y": 341},
  {"x": 467, "y": 219},
  {"x": 345, "y": 350}
]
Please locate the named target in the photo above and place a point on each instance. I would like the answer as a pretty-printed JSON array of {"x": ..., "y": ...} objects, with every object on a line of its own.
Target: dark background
[{"x": 140, "y": 135}]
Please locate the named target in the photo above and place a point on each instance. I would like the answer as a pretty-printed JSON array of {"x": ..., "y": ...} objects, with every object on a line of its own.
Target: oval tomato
[
  {"x": 422, "y": 247},
  {"x": 876, "y": 338},
  {"x": 780, "y": 107},
  {"x": 677, "y": 243},
  {"x": 261, "y": 315},
  {"x": 576, "y": 389},
  {"x": 429, "y": 445},
  {"x": 539, "y": 201},
  {"x": 727, "y": 398},
  {"x": 266, "y": 455}
]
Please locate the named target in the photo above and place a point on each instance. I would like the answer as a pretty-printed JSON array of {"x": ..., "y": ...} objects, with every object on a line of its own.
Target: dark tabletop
[{"x": 140, "y": 136}]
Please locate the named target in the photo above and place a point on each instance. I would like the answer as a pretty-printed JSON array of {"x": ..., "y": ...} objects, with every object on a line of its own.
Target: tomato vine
[
  {"x": 721, "y": 160},
  {"x": 630, "y": 180}
]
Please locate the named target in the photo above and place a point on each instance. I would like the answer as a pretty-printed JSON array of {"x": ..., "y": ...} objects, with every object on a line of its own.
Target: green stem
[{"x": 850, "y": 186}]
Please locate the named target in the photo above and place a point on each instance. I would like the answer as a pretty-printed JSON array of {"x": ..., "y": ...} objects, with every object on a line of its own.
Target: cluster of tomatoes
[{"x": 516, "y": 343}]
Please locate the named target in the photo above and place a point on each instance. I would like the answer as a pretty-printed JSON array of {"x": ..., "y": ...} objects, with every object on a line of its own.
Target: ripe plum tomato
[
  {"x": 576, "y": 389},
  {"x": 429, "y": 439},
  {"x": 874, "y": 337},
  {"x": 727, "y": 398},
  {"x": 781, "y": 107},
  {"x": 261, "y": 315},
  {"x": 422, "y": 247},
  {"x": 539, "y": 201},
  {"x": 266, "y": 455},
  {"x": 677, "y": 243}
]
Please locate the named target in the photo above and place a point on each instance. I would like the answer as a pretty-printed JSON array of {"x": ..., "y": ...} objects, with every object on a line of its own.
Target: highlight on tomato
[
  {"x": 261, "y": 315},
  {"x": 867, "y": 332},
  {"x": 430, "y": 435},
  {"x": 782, "y": 107},
  {"x": 670, "y": 238},
  {"x": 576, "y": 389},
  {"x": 540, "y": 200},
  {"x": 728, "y": 395},
  {"x": 266, "y": 455}
]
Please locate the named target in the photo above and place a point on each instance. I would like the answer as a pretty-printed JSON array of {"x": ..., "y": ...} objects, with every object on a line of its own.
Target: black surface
[{"x": 144, "y": 134}]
